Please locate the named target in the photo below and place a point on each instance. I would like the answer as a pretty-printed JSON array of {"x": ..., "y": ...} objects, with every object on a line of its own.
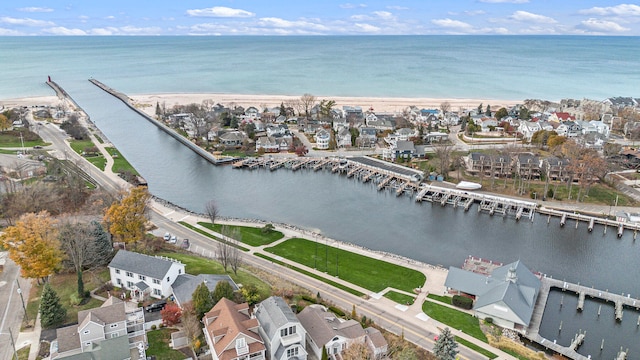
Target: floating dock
[{"x": 565, "y": 216}]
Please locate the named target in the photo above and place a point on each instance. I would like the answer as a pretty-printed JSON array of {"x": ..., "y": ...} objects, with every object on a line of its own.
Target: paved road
[{"x": 11, "y": 311}]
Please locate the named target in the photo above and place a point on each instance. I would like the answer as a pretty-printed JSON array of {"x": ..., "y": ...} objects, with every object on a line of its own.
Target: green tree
[
  {"x": 501, "y": 113},
  {"x": 202, "y": 300},
  {"x": 445, "y": 347},
  {"x": 158, "y": 109},
  {"x": 223, "y": 290},
  {"x": 488, "y": 112},
  {"x": 283, "y": 110},
  {"x": 479, "y": 110},
  {"x": 51, "y": 310},
  {"x": 524, "y": 113},
  {"x": 103, "y": 246},
  {"x": 325, "y": 356},
  {"x": 250, "y": 294}
]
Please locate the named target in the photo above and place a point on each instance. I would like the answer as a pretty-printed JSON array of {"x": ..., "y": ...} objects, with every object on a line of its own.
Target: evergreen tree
[
  {"x": 158, "y": 110},
  {"x": 202, "y": 300},
  {"x": 325, "y": 356},
  {"x": 283, "y": 110},
  {"x": 223, "y": 290},
  {"x": 103, "y": 245},
  {"x": 445, "y": 347},
  {"x": 479, "y": 110},
  {"x": 51, "y": 311},
  {"x": 488, "y": 112}
]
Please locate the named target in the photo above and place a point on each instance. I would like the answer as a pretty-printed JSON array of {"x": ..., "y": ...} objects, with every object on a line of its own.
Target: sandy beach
[
  {"x": 30, "y": 101},
  {"x": 380, "y": 105}
]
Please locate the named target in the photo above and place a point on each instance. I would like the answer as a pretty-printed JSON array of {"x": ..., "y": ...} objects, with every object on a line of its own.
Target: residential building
[
  {"x": 144, "y": 275},
  {"x": 114, "y": 331},
  {"x": 267, "y": 144},
  {"x": 527, "y": 166},
  {"x": 232, "y": 139},
  {"x": 343, "y": 138},
  {"x": 185, "y": 284},
  {"x": 231, "y": 333},
  {"x": 280, "y": 329},
  {"x": 508, "y": 295},
  {"x": 569, "y": 129},
  {"x": 322, "y": 138},
  {"x": 556, "y": 168},
  {"x": 528, "y": 128}
]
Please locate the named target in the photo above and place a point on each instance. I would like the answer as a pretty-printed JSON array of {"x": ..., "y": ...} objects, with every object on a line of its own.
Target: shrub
[
  {"x": 74, "y": 299},
  {"x": 336, "y": 311},
  {"x": 488, "y": 320},
  {"x": 310, "y": 299},
  {"x": 462, "y": 302},
  {"x": 153, "y": 327}
]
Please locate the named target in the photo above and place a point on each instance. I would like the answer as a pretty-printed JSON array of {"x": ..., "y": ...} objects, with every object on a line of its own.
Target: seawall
[{"x": 125, "y": 99}]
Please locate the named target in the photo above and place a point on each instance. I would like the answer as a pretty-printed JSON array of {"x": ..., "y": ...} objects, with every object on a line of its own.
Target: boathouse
[{"x": 508, "y": 295}]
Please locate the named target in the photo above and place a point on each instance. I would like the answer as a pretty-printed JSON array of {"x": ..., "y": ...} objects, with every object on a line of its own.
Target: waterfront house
[
  {"x": 322, "y": 138},
  {"x": 367, "y": 138},
  {"x": 343, "y": 138},
  {"x": 508, "y": 295},
  {"x": 144, "y": 275},
  {"x": 232, "y": 139},
  {"x": 114, "y": 331},
  {"x": 185, "y": 284},
  {"x": 231, "y": 333},
  {"x": 527, "y": 166},
  {"x": 555, "y": 168},
  {"x": 280, "y": 329}
]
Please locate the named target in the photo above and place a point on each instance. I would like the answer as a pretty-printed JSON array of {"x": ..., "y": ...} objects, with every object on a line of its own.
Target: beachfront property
[
  {"x": 507, "y": 295},
  {"x": 280, "y": 329},
  {"x": 144, "y": 275},
  {"x": 113, "y": 331}
]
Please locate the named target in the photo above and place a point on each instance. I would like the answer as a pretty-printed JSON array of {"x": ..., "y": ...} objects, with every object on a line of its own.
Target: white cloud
[
  {"x": 531, "y": 17},
  {"x": 505, "y": 1},
  {"x": 452, "y": 24},
  {"x": 367, "y": 28},
  {"x": 25, "y": 22},
  {"x": 618, "y": 10},
  {"x": 396, "y": 7},
  {"x": 33, "y": 9},
  {"x": 352, "y": 6},
  {"x": 9, "y": 32},
  {"x": 61, "y": 30},
  {"x": 220, "y": 11},
  {"x": 603, "y": 26},
  {"x": 110, "y": 17},
  {"x": 302, "y": 25},
  {"x": 385, "y": 15},
  {"x": 474, "y": 12}
]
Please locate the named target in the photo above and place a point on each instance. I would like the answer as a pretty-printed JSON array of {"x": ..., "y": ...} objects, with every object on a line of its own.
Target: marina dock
[{"x": 564, "y": 216}]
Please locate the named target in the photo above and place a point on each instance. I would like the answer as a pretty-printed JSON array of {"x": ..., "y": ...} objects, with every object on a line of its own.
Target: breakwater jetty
[
  {"x": 216, "y": 160},
  {"x": 620, "y": 301}
]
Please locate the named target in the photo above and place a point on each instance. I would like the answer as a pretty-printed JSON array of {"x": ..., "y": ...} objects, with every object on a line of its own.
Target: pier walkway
[{"x": 532, "y": 332}]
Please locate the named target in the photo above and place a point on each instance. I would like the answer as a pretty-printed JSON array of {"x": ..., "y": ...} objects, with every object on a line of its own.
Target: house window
[
  {"x": 168, "y": 278},
  {"x": 292, "y": 352},
  {"x": 113, "y": 326},
  {"x": 179, "y": 271},
  {"x": 156, "y": 281},
  {"x": 288, "y": 331},
  {"x": 129, "y": 284},
  {"x": 142, "y": 277},
  {"x": 117, "y": 271},
  {"x": 157, "y": 292},
  {"x": 119, "y": 282},
  {"x": 114, "y": 335},
  {"x": 129, "y": 274}
]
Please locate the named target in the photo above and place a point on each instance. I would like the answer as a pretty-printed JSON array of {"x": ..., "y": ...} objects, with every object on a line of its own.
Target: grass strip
[
  {"x": 462, "y": 321},
  {"x": 369, "y": 273},
  {"x": 120, "y": 164},
  {"x": 209, "y": 235},
  {"x": 442, "y": 299},
  {"x": 310, "y": 274},
  {"x": 476, "y": 348},
  {"x": 159, "y": 345},
  {"x": 400, "y": 298},
  {"x": 249, "y": 235}
]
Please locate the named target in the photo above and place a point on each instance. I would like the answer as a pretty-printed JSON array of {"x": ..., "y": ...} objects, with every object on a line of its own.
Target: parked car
[
  {"x": 156, "y": 306},
  {"x": 166, "y": 236},
  {"x": 173, "y": 239},
  {"x": 185, "y": 244}
]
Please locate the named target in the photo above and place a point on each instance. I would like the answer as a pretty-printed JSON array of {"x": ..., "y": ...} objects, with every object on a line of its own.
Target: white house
[
  {"x": 600, "y": 127},
  {"x": 528, "y": 128},
  {"x": 322, "y": 139},
  {"x": 113, "y": 331},
  {"x": 144, "y": 275},
  {"x": 343, "y": 138},
  {"x": 280, "y": 329}
]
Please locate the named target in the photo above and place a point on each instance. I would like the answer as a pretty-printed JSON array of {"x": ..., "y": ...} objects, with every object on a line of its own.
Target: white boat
[{"x": 468, "y": 185}]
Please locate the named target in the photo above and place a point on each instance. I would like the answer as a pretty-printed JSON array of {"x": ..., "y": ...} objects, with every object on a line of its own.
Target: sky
[{"x": 318, "y": 17}]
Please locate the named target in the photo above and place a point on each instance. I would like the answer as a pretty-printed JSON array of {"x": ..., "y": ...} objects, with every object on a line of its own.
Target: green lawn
[
  {"x": 98, "y": 161},
  {"x": 400, "y": 298},
  {"x": 454, "y": 319},
  {"x": 23, "y": 354},
  {"x": 196, "y": 265},
  {"x": 207, "y": 234},
  {"x": 8, "y": 139},
  {"x": 369, "y": 273},
  {"x": 249, "y": 235},
  {"x": 159, "y": 345},
  {"x": 79, "y": 145},
  {"x": 120, "y": 164},
  {"x": 307, "y": 273},
  {"x": 443, "y": 299},
  {"x": 476, "y": 348}
]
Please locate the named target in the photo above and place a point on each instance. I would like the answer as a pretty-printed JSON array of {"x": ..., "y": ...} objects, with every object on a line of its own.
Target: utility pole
[
  {"x": 26, "y": 317},
  {"x": 13, "y": 344}
]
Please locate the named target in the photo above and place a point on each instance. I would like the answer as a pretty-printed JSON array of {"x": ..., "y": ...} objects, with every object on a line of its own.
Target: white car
[
  {"x": 173, "y": 239},
  {"x": 166, "y": 236}
]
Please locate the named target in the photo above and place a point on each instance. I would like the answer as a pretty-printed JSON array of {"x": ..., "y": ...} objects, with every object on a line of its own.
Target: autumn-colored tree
[
  {"x": 171, "y": 314},
  {"x": 223, "y": 290},
  {"x": 191, "y": 324},
  {"x": 51, "y": 311},
  {"x": 4, "y": 122},
  {"x": 127, "y": 218},
  {"x": 301, "y": 150},
  {"x": 357, "y": 351},
  {"x": 33, "y": 245},
  {"x": 250, "y": 294}
]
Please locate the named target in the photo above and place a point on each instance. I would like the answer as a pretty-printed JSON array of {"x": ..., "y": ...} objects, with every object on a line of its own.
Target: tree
[
  {"x": 501, "y": 113},
  {"x": 445, "y": 107},
  {"x": 4, "y": 122},
  {"x": 611, "y": 149},
  {"x": 223, "y": 290},
  {"x": 357, "y": 351},
  {"x": 524, "y": 113},
  {"x": 445, "y": 347},
  {"x": 479, "y": 110},
  {"x": 212, "y": 211},
  {"x": 51, "y": 310},
  {"x": 103, "y": 246},
  {"x": 250, "y": 294},
  {"x": 191, "y": 324},
  {"x": 202, "y": 300},
  {"x": 33, "y": 245},
  {"x": 488, "y": 112},
  {"x": 307, "y": 101},
  {"x": 325, "y": 356},
  {"x": 127, "y": 217},
  {"x": 443, "y": 151},
  {"x": 171, "y": 314},
  {"x": 283, "y": 110},
  {"x": 79, "y": 245},
  {"x": 325, "y": 108},
  {"x": 301, "y": 150}
]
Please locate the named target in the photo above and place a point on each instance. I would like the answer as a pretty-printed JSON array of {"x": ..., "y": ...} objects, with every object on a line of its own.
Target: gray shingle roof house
[
  {"x": 508, "y": 295},
  {"x": 186, "y": 284},
  {"x": 280, "y": 330},
  {"x": 143, "y": 274}
]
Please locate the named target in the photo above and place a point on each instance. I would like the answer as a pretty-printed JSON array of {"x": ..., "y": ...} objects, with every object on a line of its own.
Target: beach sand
[
  {"x": 30, "y": 101},
  {"x": 380, "y": 105}
]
